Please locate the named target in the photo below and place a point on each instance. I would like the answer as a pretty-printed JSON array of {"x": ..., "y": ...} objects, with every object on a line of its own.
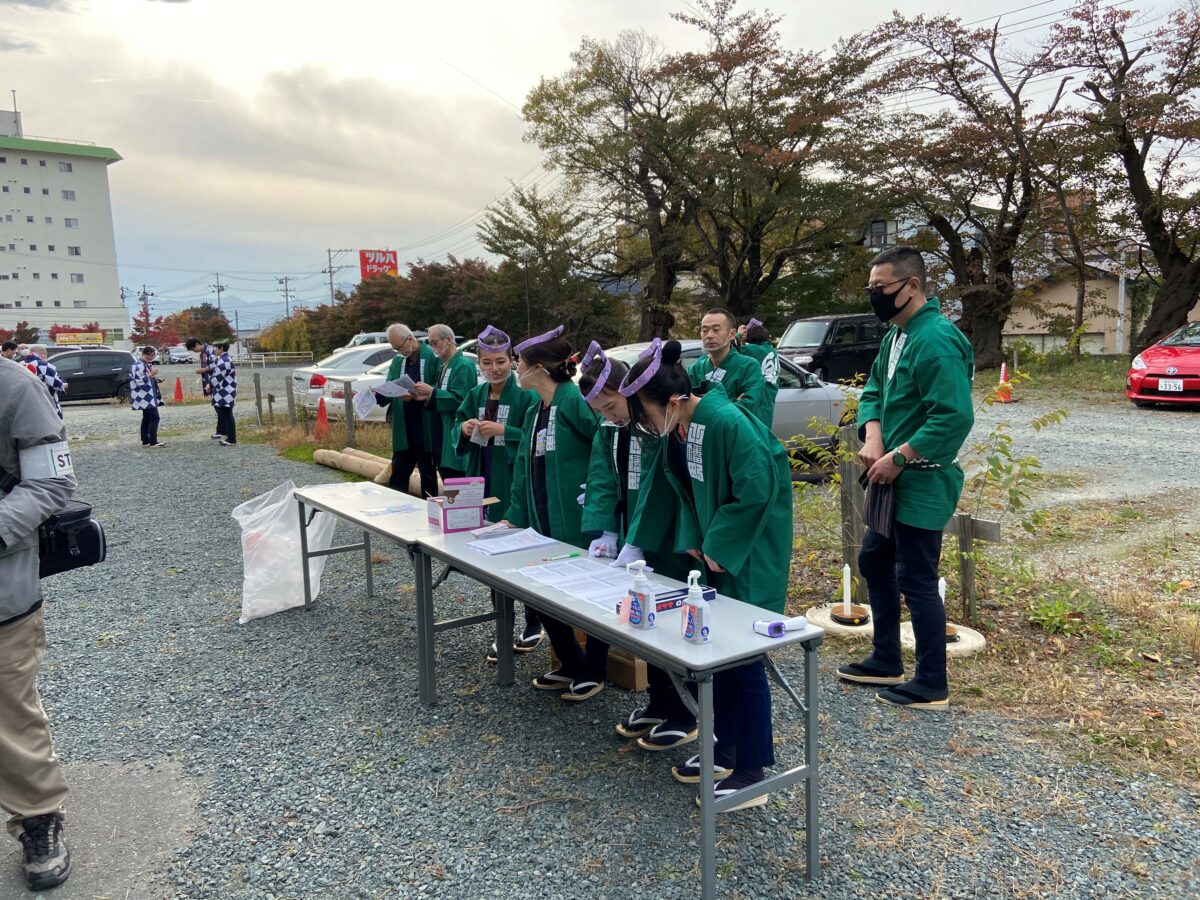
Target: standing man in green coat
[
  {"x": 458, "y": 377},
  {"x": 755, "y": 341},
  {"x": 740, "y": 375},
  {"x": 412, "y": 428},
  {"x": 915, "y": 414}
]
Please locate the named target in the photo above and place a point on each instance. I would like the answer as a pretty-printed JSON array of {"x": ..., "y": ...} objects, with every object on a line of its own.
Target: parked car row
[{"x": 1167, "y": 372}]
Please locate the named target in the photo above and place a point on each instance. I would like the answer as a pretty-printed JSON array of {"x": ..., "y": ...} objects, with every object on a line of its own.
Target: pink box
[{"x": 460, "y": 508}]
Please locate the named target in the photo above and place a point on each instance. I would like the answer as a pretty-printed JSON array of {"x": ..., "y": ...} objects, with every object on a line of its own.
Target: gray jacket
[{"x": 27, "y": 419}]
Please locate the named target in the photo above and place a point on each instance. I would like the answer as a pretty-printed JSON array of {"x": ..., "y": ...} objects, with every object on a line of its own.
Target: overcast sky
[{"x": 258, "y": 133}]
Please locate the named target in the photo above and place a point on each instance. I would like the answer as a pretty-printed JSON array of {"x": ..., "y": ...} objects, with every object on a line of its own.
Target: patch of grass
[{"x": 1055, "y": 374}]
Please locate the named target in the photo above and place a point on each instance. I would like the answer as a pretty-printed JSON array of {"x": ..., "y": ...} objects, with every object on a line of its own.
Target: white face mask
[
  {"x": 667, "y": 429},
  {"x": 521, "y": 378}
]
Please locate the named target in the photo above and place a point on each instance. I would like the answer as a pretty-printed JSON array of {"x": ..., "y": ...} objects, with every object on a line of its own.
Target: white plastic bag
[{"x": 272, "y": 579}]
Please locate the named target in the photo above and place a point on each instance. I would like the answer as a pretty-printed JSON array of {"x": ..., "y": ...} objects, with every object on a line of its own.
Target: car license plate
[{"x": 1170, "y": 384}]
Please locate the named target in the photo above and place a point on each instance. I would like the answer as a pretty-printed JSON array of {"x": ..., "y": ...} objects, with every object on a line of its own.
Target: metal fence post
[
  {"x": 258, "y": 397},
  {"x": 271, "y": 409},
  {"x": 291, "y": 399}
]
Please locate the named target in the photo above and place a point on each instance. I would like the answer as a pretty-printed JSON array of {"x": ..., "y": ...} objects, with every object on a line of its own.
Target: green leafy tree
[{"x": 203, "y": 321}]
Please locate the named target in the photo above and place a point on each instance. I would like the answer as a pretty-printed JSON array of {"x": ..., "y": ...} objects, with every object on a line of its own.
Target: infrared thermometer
[{"x": 777, "y": 628}]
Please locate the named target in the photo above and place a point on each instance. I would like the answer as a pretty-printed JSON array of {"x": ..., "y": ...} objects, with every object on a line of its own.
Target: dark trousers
[
  {"x": 225, "y": 423},
  {"x": 907, "y": 563},
  {"x": 533, "y": 621},
  {"x": 403, "y": 463},
  {"x": 149, "y": 426},
  {"x": 742, "y": 717},
  {"x": 665, "y": 702},
  {"x": 590, "y": 664},
  {"x": 447, "y": 472}
]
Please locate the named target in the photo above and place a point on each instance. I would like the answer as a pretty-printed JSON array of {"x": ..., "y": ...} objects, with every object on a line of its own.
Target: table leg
[
  {"x": 304, "y": 555},
  {"x": 426, "y": 652},
  {"x": 504, "y": 639},
  {"x": 812, "y": 799},
  {"x": 708, "y": 823},
  {"x": 367, "y": 561}
]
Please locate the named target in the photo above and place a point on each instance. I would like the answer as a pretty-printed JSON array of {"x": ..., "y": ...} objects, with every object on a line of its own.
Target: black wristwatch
[{"x": 898, "y": 459}]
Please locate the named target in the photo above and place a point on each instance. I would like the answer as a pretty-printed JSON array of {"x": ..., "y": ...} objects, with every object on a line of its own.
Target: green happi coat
[
  {"x": 514, "y": 403},
  {"x": 570, "y": 432},
  {"x": 768, "y": 364},
  {"x": 742, "y": 378},
  {"x": 457, "y": 378},
  {"x": 739, "y": 507},
  {"x": 919, "y": 391},
  {"x": 431, "y": 369},
  {"x": 647, "y": 514}
]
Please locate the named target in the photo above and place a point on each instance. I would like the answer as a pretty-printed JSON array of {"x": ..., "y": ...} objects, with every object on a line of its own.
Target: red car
[{"x": 1169, "y": 371}]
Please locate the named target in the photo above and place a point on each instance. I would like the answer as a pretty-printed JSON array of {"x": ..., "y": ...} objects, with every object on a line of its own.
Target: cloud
[
  {"x": 40, "y": 4},
  {"x": 11, "y": 44}
]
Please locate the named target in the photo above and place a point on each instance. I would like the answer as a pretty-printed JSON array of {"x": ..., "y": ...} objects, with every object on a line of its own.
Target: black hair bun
[
  {"x": 571, "y": 366},
  {"x": 671, "y": 352}
]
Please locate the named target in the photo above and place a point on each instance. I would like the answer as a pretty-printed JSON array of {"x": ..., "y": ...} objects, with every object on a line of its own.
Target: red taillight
[
  {"x": 337, "y": 394},
  {"x": 316, "y": 381}
]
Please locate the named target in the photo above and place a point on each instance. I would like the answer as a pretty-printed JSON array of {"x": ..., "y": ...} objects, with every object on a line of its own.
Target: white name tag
[{"x": 46, "y": 461}]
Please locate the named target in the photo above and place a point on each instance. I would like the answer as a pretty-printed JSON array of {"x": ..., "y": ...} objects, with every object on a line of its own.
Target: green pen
[{"x": 561, "y": 556}]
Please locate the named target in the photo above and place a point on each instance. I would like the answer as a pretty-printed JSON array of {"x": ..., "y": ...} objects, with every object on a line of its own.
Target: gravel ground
[{"x": 319, "y": 774}]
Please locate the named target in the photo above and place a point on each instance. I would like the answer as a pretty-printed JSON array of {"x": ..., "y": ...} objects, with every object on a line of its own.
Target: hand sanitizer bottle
[
  {"x": 642, "y": 612},
  {"x": 695, "y": 612}
]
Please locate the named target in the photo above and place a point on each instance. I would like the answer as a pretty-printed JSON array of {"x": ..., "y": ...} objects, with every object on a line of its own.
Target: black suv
[
  {"x": 834, "y": 347},
  {"x": 94, "y": 374}
]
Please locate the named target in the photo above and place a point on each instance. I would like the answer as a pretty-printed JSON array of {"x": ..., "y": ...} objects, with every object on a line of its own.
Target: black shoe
[
  {"x": 734, "y": 783},
  {"x": 553, "y": 681},
  {"x": 867, "y": 672},
  {"x": 668, "y": 736},
  {"x": 910, "y": 696},
  {"x": 493, "y": 655},
  {"x": 529, "y": 640},
  {"x": 47, "y": 860},
  {"x": 689, "y": 772}
]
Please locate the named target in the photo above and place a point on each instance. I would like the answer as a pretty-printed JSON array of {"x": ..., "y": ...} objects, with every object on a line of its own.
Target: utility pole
[
  {"x": 237, "y": 328},
  {"x": 145, "y": 296},
  {"x": 287, "y": 299},
  {"x": 218, "y": 287},
  {"x": 332, "y": 270}
]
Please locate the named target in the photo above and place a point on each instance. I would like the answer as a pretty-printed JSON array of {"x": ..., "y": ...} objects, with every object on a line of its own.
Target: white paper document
[
  {"x": 364, "y": 402},
  {"x": 586, "y": 579},
  {"x": 398, "y": 388},
  {"x": 478, "y": 437},
  {"x": 511, "y": 543},
  {"x": 392, "y": 510}
]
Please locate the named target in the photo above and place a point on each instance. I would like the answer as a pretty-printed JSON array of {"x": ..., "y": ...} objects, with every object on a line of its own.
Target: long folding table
[{"x": 734, "y": 641}]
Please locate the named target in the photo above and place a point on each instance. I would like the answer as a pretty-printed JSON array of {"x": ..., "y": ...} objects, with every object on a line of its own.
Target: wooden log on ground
[
  {"x": 363, "y": 454},
  {"x": 347, "y": 463}
]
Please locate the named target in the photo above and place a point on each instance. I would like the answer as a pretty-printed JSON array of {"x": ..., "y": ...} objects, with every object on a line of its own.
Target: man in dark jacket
[{"x": 36, "y": 481}]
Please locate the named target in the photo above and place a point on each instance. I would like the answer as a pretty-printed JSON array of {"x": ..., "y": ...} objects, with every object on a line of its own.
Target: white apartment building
[{"x": 58, "y": 258}]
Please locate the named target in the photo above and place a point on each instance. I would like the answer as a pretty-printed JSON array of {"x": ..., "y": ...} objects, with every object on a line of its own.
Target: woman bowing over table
[
  {"x": 488, "y": 425},
  {"x": 734, "y": 489},
  {"x": 552, "y": 463}
]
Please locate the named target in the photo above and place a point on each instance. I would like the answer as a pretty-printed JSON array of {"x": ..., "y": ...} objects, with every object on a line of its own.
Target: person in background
[
  {"x": 915, "y": 413},
  {"x": 629, "y": 500},
  {"x": 556, "y": 442},
  {"x": 755, "y": 341},
  {"x": 412, "y": 427},
  {"x": 488, "y": 425},
  {"x": 36, "y": 481},
  {"x": 9, "y": 349},
  {"x": 22, "y": 352},
  {"x": 457, "y": 379},
  {"x": 733, "y": 482},
  {"x": 144, "y": 395},
  {"x": 223, "y": 380},
  {"x": 35, "y": 361},
  {"x": 741, "y": 376},
  {"x": 206, "y": 353}
]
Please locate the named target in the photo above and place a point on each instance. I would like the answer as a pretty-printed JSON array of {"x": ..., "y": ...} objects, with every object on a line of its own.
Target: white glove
[
  {"x": 628, "y": 554},
  {"x": 582, "y": 496},
  {"x": 605, "y": 545}
]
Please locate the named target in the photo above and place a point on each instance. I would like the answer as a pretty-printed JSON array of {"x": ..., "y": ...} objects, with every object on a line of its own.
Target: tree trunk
[
  {"x": 1173, "y": 300},
  {"x": 984, "y": 312},
  {"x": 1080, "y": 303},
  {"x": 657, "y": 321}
]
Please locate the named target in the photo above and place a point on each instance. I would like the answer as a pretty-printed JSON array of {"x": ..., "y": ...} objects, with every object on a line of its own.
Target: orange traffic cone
[
  {"x": 1004, "y": 389},
  {"x": 178, "y": 390},
  {"x": 322, "y": 430}
]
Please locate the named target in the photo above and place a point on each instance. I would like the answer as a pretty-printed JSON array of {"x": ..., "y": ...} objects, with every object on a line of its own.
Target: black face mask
[{"x": 884, "y": 304}]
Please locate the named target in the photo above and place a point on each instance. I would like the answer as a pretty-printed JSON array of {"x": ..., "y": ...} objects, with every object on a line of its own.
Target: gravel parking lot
[{"x": 289, "y": 757}]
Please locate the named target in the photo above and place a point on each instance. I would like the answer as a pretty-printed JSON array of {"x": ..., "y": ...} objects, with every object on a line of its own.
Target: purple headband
[
  {"x": 654, "y": 351},
  {"x": 752, "y": 323},
  {"x": 593, "y": 353},
  {"x": 537, "y": 339},
  {"x": 492, "y": 332}
]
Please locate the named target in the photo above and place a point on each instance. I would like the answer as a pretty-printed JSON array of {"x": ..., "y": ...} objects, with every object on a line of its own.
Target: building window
[
  {"x": 68, "y": 195},
  {"x": 65, "y": 167},
  {"x": 3, "y": 159},
  {"x": 45, "y": 192},
  {"x": 80, "y": 304},
  {"x": 877, "y": 234},
  {"x": 50, "y": 247},
  {"x": 71, "y": 223},
  {"x": 58, "y": 303},
  {"x": 74, "y": 251},
  {"x": 24, "y": 162},
  {"x": 32, "y": 248},
  {"x": 37, "y": 276},
  {"x": 12, "y": 246},
  {"x": 5, "y": 190},
  {"x": 16, "y": 276},
  {"x": 49, "y": 220},
  {"x": 27, "y": 190},
  {"x": 17, "y": 304},
  {"x": 115, "y": 334},
  {"x": 76, "y": 278},
  {"x": 8, "y": 218},
  {"x": 5, "y": 305},
  {"x": 37, "y": 303},
  {"x": 29, "y": 220},
  {"x": 42, "y": 163},
  {"x": 54, "y": 276}
]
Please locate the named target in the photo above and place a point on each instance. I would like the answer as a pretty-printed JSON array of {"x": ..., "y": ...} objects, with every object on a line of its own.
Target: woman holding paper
[
  {"x": 624, "y": 480},
  {"x": 734, "y": 488},
  {"x": 488, "y": 425},
  {"x": 552, "y": 462}
]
